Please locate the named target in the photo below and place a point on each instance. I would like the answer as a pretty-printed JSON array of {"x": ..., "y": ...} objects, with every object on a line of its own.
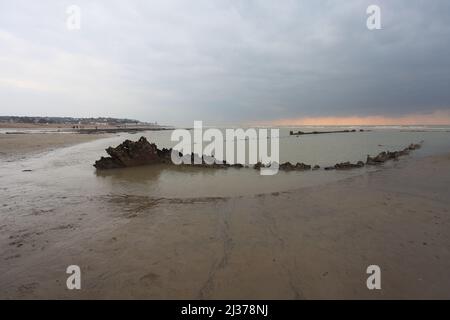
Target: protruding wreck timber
[
  {"x": 141, "y": 152},
  {"x": 391, "y": 155},
  {"x": 286, "y": 166},
  {"x": 131, "y": 154},
  {"x": 347, "y": 165},
  {"x": 298, "y": 166}
]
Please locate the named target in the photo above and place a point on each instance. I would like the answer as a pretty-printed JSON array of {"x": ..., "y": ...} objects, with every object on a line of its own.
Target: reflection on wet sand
[{"x": 151, "y": 172}]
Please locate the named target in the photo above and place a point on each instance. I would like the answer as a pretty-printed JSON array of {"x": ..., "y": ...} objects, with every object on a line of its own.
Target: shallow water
[
  {"x": 68, "y": 172},
  {"x": 135, "y": 246}
]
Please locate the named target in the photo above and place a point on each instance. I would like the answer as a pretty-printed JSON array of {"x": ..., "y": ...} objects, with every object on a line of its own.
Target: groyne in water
[{"x": 300, "y": 133}]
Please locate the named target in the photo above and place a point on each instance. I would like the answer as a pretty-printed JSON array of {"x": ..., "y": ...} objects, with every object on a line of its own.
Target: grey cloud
[{"x": 225, "y": 60}]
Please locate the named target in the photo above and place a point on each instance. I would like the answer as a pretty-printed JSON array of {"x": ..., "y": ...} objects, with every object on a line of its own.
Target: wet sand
[
  {"x": 314, "y": 242},
  {"x": 20, "y": 145}
]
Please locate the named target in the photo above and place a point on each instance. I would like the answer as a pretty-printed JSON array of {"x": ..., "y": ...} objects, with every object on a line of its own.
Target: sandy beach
[
  {"x": 313, "y": 242},
  {"x": 19, "y": 145}
]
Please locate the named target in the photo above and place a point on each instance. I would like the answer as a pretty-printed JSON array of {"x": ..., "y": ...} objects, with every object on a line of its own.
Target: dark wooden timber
[{"x": 300, "y": 133}]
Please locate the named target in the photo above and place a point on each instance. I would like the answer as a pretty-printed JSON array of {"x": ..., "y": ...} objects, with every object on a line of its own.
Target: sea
[{"x": 69, "y": 173}]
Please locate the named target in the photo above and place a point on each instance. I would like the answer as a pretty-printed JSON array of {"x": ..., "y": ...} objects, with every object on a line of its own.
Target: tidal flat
[{"x": 162, "y": 233}]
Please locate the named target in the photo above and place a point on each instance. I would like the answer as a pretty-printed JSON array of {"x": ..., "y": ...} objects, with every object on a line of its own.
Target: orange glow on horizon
[{"x": 435, "y": 118}]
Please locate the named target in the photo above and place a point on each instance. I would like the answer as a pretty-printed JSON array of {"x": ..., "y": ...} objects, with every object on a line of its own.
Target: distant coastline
[
  {"x": 78, "y": 125},
  {"x": 69, "y": 120}
]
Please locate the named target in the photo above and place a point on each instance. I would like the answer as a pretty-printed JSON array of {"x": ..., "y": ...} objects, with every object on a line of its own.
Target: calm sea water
[{"x": 68, "y": 172}]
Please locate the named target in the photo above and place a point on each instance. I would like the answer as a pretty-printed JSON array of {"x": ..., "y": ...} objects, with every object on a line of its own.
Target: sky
[{"x": 228, "y": 61}]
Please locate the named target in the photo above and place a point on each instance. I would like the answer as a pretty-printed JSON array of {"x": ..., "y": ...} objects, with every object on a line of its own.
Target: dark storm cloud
[{"x": 225, "y": 60}]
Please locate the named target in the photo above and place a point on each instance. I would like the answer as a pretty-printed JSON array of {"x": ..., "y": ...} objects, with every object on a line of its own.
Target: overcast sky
[{"x": 221, "y": 61}]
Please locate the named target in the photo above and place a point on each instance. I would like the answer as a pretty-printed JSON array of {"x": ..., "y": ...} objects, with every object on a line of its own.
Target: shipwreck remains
[
  {"x": 346, "y": 165},
  {"x": 136, "y": 153},
  {"x": 131, "y": 154},
  {"x": 391, "y": 155}
]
